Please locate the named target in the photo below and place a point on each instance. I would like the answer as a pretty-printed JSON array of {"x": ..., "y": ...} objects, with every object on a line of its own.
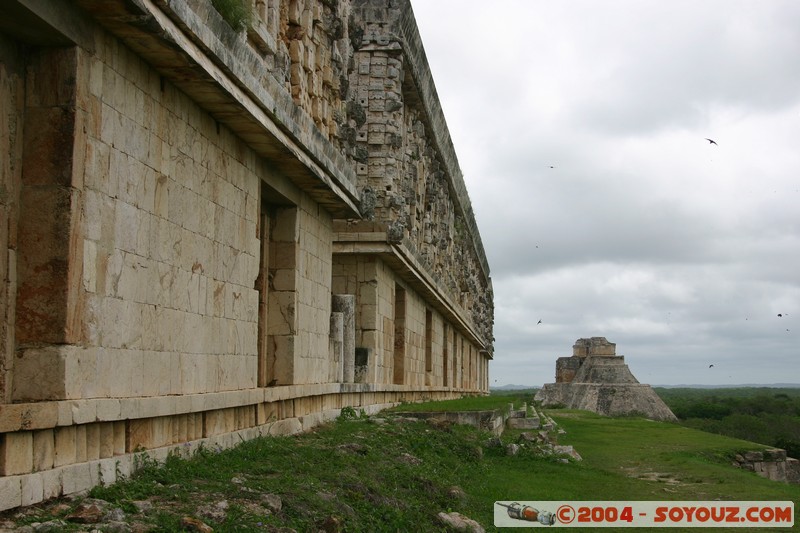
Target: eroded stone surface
[{"x": 595, "y": 379}]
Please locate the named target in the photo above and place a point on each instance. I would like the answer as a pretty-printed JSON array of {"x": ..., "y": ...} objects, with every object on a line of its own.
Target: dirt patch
[{"x": 661, "y": 477}]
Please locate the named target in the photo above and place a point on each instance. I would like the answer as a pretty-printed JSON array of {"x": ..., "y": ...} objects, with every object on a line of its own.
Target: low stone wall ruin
[{"x": 771, "y": 463}]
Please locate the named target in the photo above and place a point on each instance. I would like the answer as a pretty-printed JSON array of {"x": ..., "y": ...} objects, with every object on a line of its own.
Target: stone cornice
[{"x": 213, "y": 65}]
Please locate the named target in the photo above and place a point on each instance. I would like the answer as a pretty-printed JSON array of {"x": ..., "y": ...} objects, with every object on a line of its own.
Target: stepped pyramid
[{"x": 595, "y": 379}]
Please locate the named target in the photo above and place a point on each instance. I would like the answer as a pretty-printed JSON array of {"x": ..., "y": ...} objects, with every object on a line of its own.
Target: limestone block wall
[
  {"x": 567, "y": 367},
  {"x": 170, "y": 253},
  {"x": 169, "y": 199},
  {"x": 169, "y": 209},
  {"x": 436, "y": 354},
  {"x": 314, "y": 296}
]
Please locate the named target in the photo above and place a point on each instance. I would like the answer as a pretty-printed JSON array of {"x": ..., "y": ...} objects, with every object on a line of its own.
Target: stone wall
[
  {"x": 371, "y": 280},
  {"x": 182, "y": 203},
  {"x": 771, "y": 463},
  {"x": 169, "y": 209},
  {"x": 567, "y": 367}
]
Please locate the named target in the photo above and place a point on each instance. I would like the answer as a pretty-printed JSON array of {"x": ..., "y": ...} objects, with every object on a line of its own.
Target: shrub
[{"x": 236, "y": 13}]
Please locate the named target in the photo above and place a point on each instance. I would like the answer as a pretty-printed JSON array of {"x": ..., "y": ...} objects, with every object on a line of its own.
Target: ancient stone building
[
  {"x": 217, "y": 228},
  {"x": 595, "y": 379}
]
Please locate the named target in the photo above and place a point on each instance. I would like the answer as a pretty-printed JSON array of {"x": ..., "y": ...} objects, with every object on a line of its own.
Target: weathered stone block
[
  {"x": 289, "y": 426},
  {"x": 15, "y": 417},
  {"x": 108, "y": 409},
  {"x": 76, "y": 478},
  {"x": 43, "y": 449},
  {"x": 10, "y": 492},
  {"x": 81, "y": 444},
  {"x": 107, "y": 471},
  {"x": 792, "y": 470},
  {"x": 106, "y": 438},
  {"x": 31, "y": 383},
  {"x": 567, "y": 367},
  {"x": 139, "y": 434},
  {"x": 16, "y": 453},
  {"x": 32, "y": 487},
  {"x": 345, "y": 304},
  {"x": 775, "y": 454},
  {"x": 754, "y": 456},
  {"x": 51, "y": 483},
  {"x": 523, "y": 423},
  {"x": 218, "y": 422},
  {"x": 49, "y": 132},
  {"x": 162, "y": 429},
  {"x": 92, "y": 446}
]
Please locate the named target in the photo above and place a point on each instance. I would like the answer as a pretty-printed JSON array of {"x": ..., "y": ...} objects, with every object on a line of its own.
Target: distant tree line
[{"x": 768, "y": 416}]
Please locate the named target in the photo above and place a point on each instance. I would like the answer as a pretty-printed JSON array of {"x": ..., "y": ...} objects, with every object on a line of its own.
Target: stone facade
[
  {"x": 595, "y": 379},
  {"x": 209, "y": 234}
]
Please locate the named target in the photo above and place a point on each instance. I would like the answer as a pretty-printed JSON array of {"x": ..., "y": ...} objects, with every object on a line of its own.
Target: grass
[
  {"x": 237, "y": 13},
  {"x": 635, "y": 450},
  {"x": 374, "y": 475}
]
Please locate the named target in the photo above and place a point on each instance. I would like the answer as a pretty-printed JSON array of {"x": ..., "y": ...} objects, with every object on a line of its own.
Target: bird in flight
[
  {"x": 709, "y": 366},
  {"x": 711, "y": 141},
  {"x": 540, "y": 321}
]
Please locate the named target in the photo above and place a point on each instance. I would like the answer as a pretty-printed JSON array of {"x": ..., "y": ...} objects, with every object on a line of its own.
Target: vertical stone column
[
  {"x": 337, "y": 347},
  {"x": 49, "y": 266},
  {"x": 346, "y": 304},
  {"x": 50, "y": 240}
]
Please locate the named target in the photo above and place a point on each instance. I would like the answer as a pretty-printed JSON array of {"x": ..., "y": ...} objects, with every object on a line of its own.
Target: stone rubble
[
  {"x": 90, "y": 511},
  {"x": 189, "y": 523},
  {"x": 545, "y": 441},
  {"x": 460, "y": 522},
  {"x": 216, "y": 512}
]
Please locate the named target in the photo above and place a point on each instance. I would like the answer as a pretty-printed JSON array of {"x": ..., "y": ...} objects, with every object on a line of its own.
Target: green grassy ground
[{"x": 396, "y": 476}]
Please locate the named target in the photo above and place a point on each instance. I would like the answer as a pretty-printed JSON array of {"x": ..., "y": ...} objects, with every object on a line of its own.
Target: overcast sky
[{"x": 580, "y": 127}]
